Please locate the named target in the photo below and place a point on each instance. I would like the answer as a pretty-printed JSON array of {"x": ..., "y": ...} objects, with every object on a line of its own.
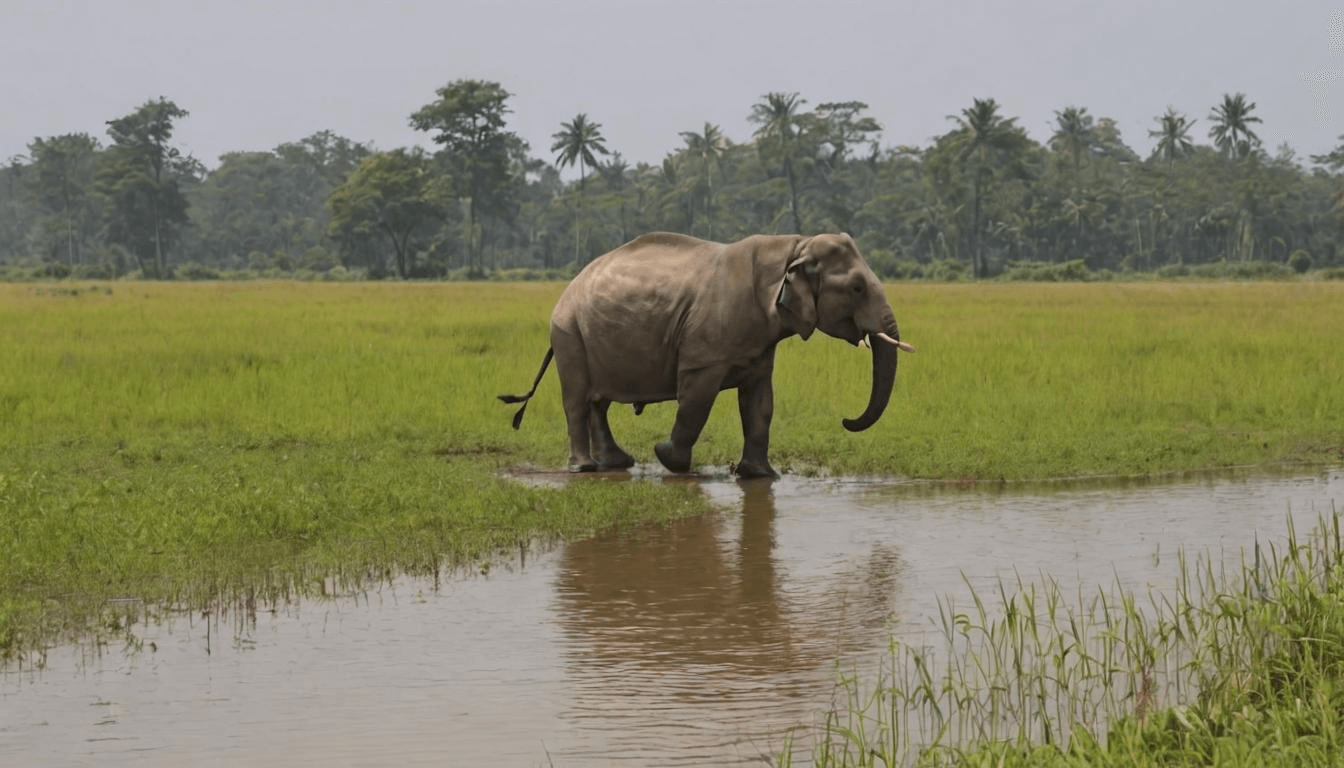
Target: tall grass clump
[{"x": 1240, "y": 667}]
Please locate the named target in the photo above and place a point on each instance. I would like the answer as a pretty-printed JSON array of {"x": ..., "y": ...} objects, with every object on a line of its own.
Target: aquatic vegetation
[{"x": 1230, "y": 668}]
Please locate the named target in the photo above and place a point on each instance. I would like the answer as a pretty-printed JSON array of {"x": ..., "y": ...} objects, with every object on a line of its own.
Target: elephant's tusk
[
  {"x": 901, "y": 345},
  {"x": 864, "y": 343}
]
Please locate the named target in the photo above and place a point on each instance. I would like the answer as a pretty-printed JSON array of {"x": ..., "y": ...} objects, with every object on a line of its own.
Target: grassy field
[{"x": 183, "y": 445}]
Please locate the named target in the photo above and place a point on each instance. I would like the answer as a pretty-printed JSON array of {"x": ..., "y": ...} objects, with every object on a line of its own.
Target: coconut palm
[
  {"x": 1231, "y": 131},
  {"x": 708, "y": 147},
  {"x": 982, "y": 140},
  {"x": 1173, "y": 136},
  {"x": 1075, "y": 136},
  {"x": 579, "y": 141},
  {"x": 777, "y": 117}
]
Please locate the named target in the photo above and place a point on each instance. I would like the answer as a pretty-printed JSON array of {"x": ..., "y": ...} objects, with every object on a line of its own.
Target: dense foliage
[{"x": 983, "y": 199}]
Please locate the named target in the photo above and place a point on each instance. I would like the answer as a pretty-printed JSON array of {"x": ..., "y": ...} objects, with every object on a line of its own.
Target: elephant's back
[{"x": 652, "y": 276}]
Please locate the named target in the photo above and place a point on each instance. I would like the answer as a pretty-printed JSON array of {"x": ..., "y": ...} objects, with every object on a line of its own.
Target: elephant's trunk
[{"x": 884, "y": 376}]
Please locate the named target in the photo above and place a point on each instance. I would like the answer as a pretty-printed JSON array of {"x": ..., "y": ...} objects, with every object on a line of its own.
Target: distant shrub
[
  {"x": 339, "y": 273},
  {"x": 52, "y": 270},
  {"x": 1241, "y": 270},
  {"x": 945, "y": 270},
  {"x": 1300, "y": 261},
  {"x": 528, "y": 274},
  {"x": 888, "y": 266},
  {"x": 906, "y": 269},
  {"x": 881, "y": 261},
  {"x": 318, "y": 259},
  {"x": 1168, "y": 271},
  {"x": 1046, "y": 271},
  {"x": 1333, "y": 273},
  {"x": 194, "y": 271},
  {"x": 103, "y": 271},
  {"x": 466, "y": 273}
]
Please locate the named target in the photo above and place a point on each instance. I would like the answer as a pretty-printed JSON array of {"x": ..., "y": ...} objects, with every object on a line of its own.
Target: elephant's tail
[{"x": 518, "y": 417}]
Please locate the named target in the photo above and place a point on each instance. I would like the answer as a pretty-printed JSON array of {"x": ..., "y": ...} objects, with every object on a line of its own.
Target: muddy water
[{"x": 696, "y": 643}]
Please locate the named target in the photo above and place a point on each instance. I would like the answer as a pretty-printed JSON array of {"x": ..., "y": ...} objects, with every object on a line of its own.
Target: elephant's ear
[{"x": 797, "y": 301}]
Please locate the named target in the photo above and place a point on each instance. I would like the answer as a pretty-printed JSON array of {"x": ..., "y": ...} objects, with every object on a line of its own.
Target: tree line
[{"x": 980, "y": 200}]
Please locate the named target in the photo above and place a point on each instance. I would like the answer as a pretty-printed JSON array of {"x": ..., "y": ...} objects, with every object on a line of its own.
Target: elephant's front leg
[
  {"x": 608, "y": 454},
  {"x": 756, "y": 406},
  {"x": 696, "y": 391}
]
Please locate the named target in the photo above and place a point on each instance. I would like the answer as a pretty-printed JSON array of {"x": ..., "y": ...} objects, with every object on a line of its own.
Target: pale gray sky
[{"x": 257, "y": 73}]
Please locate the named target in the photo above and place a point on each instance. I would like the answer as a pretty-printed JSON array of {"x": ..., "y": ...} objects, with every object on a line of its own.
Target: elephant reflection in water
[{"x": 687, "y": 594}]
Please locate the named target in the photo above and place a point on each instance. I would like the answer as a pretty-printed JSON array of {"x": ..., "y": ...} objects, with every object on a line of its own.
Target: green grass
[
  {"x": 189, "y": 445},
  {"x": 1031, "y": 381}
]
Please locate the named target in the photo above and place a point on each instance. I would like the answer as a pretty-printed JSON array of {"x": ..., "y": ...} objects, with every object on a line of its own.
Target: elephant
[{"x": 673, "y": 317}]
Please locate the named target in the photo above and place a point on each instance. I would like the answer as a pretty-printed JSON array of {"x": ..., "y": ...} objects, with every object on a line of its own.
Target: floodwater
[{"x": 696, "y": 643}]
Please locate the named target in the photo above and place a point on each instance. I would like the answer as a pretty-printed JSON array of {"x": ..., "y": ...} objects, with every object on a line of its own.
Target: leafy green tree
[
  {"x": 60, "y": 179},
  {"x": 1107, "y": 142},
  {"x": 1231, "y": 132},
  {"x": 707, "y": 150},
  {"x": 141, "y": 179},
  {"x": 16, "y": 211},
  {"x": 1334, "y": 159},
  {"x": 1173, "y": 136},
  {"x": 328, "y": 157},
  {"x": 540, "y": 221},
  {"x": 777, "y": 134},
  {"x": 1075, "y": 136},
  {"x": 484, "y": 160},
  {"x": 390, "y": 194},
  {"x": 983, "y": 143},
  {"x": 267, "y": 210},
  {"x": 579, "y": 141},
  {"x": 844, "y": 127},
  {"x": 846, "y": 142}
]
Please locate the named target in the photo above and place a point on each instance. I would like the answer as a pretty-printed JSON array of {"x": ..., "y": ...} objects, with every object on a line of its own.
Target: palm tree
[
  {"x": 616, "y": 173},
  {"x": 709, "y": 148},
  {"x": 577, "y": 142},
  {"x": 1074, "y": 135},
  {"x": 1173, "y": 136},
  {"x": 777, "y": 117},
  {"x": 982, "y": 139},
  {"x": 1231, "y": 131}
]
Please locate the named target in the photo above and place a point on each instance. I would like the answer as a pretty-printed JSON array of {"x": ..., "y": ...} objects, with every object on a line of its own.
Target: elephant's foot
[
  {"x": 584, "y": 464},
  {"x": 673, "y": 459},
  {"x": 750, "y": 469},
  {"x": 618, "y": 460}
]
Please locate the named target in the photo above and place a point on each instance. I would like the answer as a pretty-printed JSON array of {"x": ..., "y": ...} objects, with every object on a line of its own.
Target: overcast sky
[{"x": 257, "y": 73}]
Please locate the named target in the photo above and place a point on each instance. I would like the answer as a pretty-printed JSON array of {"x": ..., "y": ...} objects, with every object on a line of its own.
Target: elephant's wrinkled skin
[{"x": 670, "y": 317}]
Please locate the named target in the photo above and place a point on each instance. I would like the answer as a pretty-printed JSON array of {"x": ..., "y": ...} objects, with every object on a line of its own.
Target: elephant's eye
[{"x": 858, "y": 288}]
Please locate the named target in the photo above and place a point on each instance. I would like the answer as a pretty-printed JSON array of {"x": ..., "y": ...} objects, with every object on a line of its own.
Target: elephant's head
[{"x": 828, "y": 286}]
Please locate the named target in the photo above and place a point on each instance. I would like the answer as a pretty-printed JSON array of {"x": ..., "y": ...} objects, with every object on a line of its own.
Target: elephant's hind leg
[
  {"x": 572, "y": 365},
  {"x": 609, "y": 455}
]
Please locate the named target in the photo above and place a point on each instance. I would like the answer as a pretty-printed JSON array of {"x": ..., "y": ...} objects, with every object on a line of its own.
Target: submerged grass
[
  {"x": 170, "y": 444},
  {"x": 1242, "y": 668}
]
